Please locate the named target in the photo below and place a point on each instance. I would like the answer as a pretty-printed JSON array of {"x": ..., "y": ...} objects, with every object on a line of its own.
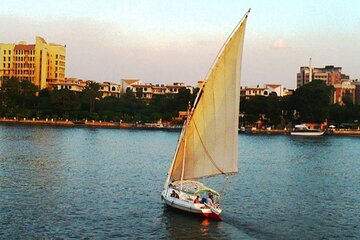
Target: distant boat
[
  {"x": 303, "y": 130},
  {"x": 208, "y": 142}
]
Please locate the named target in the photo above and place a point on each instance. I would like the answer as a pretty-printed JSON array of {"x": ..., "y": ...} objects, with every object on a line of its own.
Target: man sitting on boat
[
  {"x": 174, "y": 194},
  {"x": 210, "y": 200}
]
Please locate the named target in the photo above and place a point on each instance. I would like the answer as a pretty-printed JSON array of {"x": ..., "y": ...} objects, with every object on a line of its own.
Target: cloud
[{"x": 278, "y": 44}]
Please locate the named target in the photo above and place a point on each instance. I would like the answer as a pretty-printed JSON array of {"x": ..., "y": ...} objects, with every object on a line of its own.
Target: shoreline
[
  {"x": 340, "y": 132},
  {"x": 118, "y": 125},
  {"x": 91, "y": 124}
]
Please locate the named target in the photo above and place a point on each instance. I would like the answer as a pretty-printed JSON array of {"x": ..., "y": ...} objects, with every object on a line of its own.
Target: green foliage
[
  {"x": 261, "y": 106},
  {"x": 344, "y": 114},
  {"x": 312, "y": 101},
  {"x": 89, "y": 95},
  {"x": 23, "y": 99},
  {"x": 15, "y": 95}
]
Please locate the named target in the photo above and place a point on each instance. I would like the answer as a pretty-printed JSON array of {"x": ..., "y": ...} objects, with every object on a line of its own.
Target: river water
[{"x": 105, "y": 183}]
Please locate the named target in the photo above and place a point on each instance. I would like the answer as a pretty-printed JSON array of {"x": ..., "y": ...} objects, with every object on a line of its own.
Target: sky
[{"x": 165, "y": 41}]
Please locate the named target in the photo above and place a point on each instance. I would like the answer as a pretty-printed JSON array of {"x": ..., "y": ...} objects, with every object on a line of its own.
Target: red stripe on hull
[
  {"x": 213, "y": 216},
  {"x": 206, "y": 215}
]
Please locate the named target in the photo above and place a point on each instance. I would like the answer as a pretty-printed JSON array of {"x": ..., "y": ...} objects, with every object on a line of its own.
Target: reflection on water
[{"x": 106, "y": 183}]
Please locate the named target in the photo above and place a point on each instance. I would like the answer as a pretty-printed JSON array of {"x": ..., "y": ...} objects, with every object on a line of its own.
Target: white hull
[
  {"x": 187, "y": 205},
  {"x": 320, "y": 133}
]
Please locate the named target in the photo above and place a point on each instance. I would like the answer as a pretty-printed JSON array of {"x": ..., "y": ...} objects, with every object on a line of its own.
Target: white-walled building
[{"x": 278, "y": 89}]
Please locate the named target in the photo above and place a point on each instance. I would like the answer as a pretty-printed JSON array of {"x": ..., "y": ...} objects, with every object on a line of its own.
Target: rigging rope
[
  {"x": 223, "y": 190},
  {"x": 206, "y": 151}
]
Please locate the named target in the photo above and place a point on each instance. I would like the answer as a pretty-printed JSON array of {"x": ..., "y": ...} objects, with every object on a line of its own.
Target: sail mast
[
  {"x": 174, "y": 158},
  {"x": 183, "y": 160}
]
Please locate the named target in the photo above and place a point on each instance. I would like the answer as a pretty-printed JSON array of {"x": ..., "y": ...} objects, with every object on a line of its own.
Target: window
[
  {"x": 56, "y": 62},
  {"x": 8, "y": 65},
  {"x": 9, "y": 58},
  {"x": 9, "y": 52},
  {"x": 4, "y": 65},
  {"x": 57, "y": 56},
  {"x": 113, "y": 89},
  {"x": 4, "y": 59}
]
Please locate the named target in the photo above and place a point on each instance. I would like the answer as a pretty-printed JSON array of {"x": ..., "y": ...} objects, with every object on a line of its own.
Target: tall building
[
  {"x": 39, "y": 63},
  {"x": 329, "y": 74}
]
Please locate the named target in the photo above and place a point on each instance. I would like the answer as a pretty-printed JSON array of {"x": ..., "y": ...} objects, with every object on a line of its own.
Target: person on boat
[
  {"x": 210, "y": 200},
  {"x": 174, "y": 194},
  {"x": 197, "y": 199}
]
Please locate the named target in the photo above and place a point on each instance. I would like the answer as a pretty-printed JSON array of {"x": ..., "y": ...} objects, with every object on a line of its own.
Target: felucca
[{"x": 208, "y": 143}]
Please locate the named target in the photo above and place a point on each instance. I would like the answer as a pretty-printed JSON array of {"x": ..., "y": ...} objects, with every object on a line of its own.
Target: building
[
  {"x": 346, "y": 88},
  {"x": 127, "y": 83},
  {"x": 329, "y": 74},
  {"x": 143, "y": 91},
  {"x": 332, "y": 76},
  {"x": 176, "y": 87},
  {"x": 357, "y": 91},
  {"x": 39, "y": 63},
  {"x": 249, "y": 92},
  {"x": 148, "y": 90},
  {"x": 265, "y": 91},
  {"x": 72, "y": 84},
  {"x": 109, "y": 89}
]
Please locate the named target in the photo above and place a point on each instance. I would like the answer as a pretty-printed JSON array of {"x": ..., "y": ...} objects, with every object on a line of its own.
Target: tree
[
  {"x": 90, "y": 94},
  {"x": 347, "y": 99},
  {"x": 64, "y": 101},
  {"x": 16, "y": 95},
  {"x": 312, "y": 101}
]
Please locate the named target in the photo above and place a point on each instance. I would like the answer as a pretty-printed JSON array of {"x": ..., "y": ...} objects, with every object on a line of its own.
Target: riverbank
[
  {"x": 118, "y": 125},
  {"x": 85, "y": 123},
  {"x": 339, "y": 132}
]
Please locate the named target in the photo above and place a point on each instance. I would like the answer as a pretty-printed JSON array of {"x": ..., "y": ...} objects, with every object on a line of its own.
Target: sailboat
[{"x": 208, "y": 142}]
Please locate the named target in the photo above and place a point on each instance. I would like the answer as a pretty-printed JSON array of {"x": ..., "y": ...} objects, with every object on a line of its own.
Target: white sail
[{"x": 209, "y": 143}]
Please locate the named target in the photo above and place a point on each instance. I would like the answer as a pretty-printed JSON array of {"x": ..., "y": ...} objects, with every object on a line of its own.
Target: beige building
[
  {"x": 109, "y": 89},
  {"x": 128, "y": 83},
  {"x": 148, "y": 90},
  {"x": 72, "y": 84},
  {"x": 39, "y": 63}
]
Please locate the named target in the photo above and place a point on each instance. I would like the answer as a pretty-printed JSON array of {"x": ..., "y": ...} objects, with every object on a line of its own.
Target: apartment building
[
  {"x": 329, "y": 74},
  {"x": 39, "y": 63}
]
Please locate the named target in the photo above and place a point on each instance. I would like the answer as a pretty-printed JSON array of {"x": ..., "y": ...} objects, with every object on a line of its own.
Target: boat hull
[
  {"x": 190, "y": 207},
  {"x": 305, "y": 133}
]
